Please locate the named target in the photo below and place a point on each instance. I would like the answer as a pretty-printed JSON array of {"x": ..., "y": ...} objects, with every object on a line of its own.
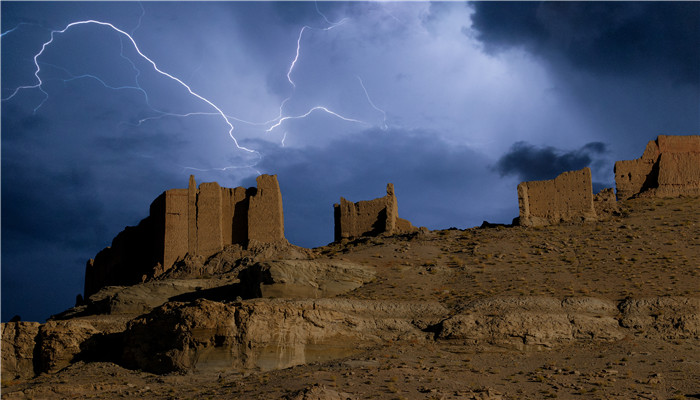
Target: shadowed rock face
[
  {"x": 195, "y": 221},
  {"x": 309, "y": 279},
  {"x": 268, "y": 333},
  {"x": 278, "y": 333},
  {"x": 369, "y": 217},
  {"x": 568, "y": 197},
  {"x": 669, "y": 167},
  {"x": 18, "y": 343}
]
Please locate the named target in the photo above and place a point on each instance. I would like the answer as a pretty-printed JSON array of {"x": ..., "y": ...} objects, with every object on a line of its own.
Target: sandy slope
[{"x": 493, "y": 281}]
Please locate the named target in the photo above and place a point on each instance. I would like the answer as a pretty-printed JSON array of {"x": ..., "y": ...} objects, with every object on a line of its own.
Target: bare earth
[{"x": 651, "y": 249}]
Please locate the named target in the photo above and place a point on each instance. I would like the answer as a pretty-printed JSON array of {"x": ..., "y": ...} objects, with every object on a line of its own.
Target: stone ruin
[
  {"x": 568, "y": 197},
  {"x": 669, "y": 167},
  {"x": 195, "y": 221},
  {"x": 369, "y": 217},
  {"x": 201, "y": 221}
]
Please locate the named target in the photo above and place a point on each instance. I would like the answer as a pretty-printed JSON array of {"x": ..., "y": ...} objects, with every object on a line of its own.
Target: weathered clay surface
[
  {"x": 605, "y": 203},
  {"x": 232, "y": 258},
  {"x": 59, "y": 342},
  {"x": 536, "y": 321},
  {"x": 669, "y": 167},
  {"x": 277, "y": 333},
  {"x": 18, "y": 341},
  {"x": 369, "y": 217},
  {"x": 663, "y": 317},
  {"x": 265, "y": 215},
  {"x": 142, "y": 298},
  {"x": 319, "y": 392},
  {"x": 568, "y": 197},
  {"x": 268, "y": 333},
  {"x": 305, "y": 278}
]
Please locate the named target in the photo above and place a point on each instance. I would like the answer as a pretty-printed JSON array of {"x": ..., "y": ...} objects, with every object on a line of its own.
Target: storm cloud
[
  {"x": 433, "y": 96},
  {"x": 616, "y": 38},
  {"x": 533, "y": 163}
]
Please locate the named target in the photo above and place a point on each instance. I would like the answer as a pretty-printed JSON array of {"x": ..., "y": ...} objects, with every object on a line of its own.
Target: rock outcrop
[
  {"x": 319, "y": 392},
  {"x": 311, "y": 279},
  {"x": 60, "y": 342},
  {"x": 18, "y": 342},
  {"x": 605, "y": 203},
  {"x": 269, "y": 333},
  {"x": 278, "y": 333},
  {"x": 662, "y": 317},
  {"x": 548, "y": 322},
  {"x": 195, "y": 221},
  {"x": 669, "y": 167},
  {"x": 566, "y": 198},
  {"x": 537, "y": 321},
  {"x": 369, "y": 217}
]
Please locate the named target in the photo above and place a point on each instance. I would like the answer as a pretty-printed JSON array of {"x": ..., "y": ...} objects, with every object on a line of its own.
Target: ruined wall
[
  {"x": 369, "y": 217},
  {"x": 197, "y": 221},
  {"x": 605, "y": 204},
  {"x": 175, "y": 220},
  {"x": 568, "y": 197},
  {"x": 209, "y": 219},
  {"x": 265, "y": 216},
  {"x": 669, "y": 167}
]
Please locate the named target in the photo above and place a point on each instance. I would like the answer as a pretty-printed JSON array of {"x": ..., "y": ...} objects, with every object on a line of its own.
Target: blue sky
[{"x": 455, "y": 103}]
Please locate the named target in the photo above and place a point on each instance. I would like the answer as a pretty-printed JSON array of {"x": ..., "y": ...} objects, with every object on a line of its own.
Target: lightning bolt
[
  {"x": 301, "y": 33},
  {"x": 322, "y": 15},
  {"x": 39, "y": 83},
  {"x": 17, "y": 27},
  {"x": 384, "y": 125},
  {"x": 216, "y": 110},
  {"x": 306, "y": 114}
]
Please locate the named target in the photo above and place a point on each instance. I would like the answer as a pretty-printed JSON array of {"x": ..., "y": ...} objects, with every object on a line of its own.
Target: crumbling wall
[
  {"x": 669, "y": 167},
  {"x": 265, "y": 216},
  {"x": 568, "y": 197},
  {"x": 197, "y": 221},
  {"x": 605, "y": 204},
  {"x": 209, "y": 219},
  {"x": 369, "y": 217},
  {"x": 175, "y": 222}
]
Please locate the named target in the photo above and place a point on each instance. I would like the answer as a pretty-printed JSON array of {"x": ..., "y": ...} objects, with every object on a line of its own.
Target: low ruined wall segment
[
  {"x": 669, "y": 167},
  {"x": 196, "y": 221},
  {"x": 568, "y": 197},
  {"x": 369, "y": 217}
]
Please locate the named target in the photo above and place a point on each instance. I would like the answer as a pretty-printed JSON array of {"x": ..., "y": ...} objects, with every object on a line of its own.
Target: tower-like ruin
[
  {"x": 196, "y": 221},
  {"x": 669, "y": 167}
]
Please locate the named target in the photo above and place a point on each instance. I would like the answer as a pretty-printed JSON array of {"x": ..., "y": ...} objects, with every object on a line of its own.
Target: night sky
[{"x": 455, "y": 103}]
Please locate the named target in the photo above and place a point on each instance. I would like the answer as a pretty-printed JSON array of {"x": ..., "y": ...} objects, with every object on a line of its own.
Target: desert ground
[{"x": 648, "y": 250}]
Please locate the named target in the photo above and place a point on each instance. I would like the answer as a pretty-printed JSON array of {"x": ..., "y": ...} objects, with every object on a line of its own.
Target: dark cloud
[
  {"x": 532, "y": 163},
  {"x": 91, "y": 159},
  {"x": 619, "y": 38}
]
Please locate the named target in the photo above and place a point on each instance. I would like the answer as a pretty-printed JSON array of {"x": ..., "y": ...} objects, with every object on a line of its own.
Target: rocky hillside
[{"x": 607, "y": 309}]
